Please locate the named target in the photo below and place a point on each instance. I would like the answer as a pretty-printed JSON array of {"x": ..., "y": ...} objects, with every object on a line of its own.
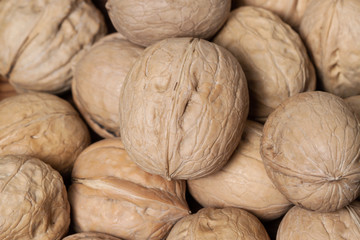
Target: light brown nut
[
  {"x": 301, "y": 224},
  {"x": 40, "y": 40},
  {"x": 44, "y": 126},
  {"x": 146, "y": 21},
  {"x": 98, "y": 78},
  {"x": 90, "y": 236},
  {"x": 331, "y": 31},
  {"x": 33, "y": 200},
  {"x": 354, "y": 103},
  {"x": 111, "y": 194},
  {"x": 213, "y": 223},
  {"x": 243, "y": 181},
  {"x": 311, "y": 151},
  {"x": 272, "y": 56},
  {"x": 184, "y": 106}
]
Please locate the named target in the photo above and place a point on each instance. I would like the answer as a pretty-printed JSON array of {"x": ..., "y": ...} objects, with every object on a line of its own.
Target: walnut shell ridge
[{"x": 90, "y": 236}]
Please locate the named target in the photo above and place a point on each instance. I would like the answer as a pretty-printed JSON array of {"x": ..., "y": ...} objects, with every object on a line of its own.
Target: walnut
[
  {"x": 111, "y": 194},
  {"x": 90, "y": 236},
  {"x": 40, "y": 40},
  {"x": 33, "y": 200},
  {"x": 184, "y": 105},
  {"x": 98, "y": 78},
  {"x": 146, "y": 21},
  {"x": 272, "y": 56},
  {"x": 354, "y": 104},
  {"x": 44, "y": 126},
  {"x": 310, "y": 147}
]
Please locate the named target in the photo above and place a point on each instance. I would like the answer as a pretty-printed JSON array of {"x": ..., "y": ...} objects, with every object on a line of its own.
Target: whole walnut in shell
[
  {"x": 40, "y": 40},
  {"x": 98, "y": 78},
  {"x": 183, "y": 108},
  {"x": 111, "y": 194},
  {"x": 219, "y": 223},
  {"x": 90, "y": 236},
  {"x": 146, "y": 21},
  {"x": 243, "y": 181},
  {"x": 44, "y": 126},
  {"x": 331, "y": 31},
  {"x": 310, "y": 147},
  {"x": 272, "y": 55},
  {"x": 33, "y": 200}
]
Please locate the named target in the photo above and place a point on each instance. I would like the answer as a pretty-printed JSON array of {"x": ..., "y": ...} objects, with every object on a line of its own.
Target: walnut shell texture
[
  {"x": 90, "y": 236},
  {"x": 354, "y": 103}
]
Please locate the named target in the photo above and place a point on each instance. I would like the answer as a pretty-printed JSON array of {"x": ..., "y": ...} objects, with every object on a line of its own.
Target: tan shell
[
  {"x": 98, "y": 78},
  {"x": 33, "y": 200},
  {"x": 243, "y": 181},
  {"x": 354, "y": 103},
  {"x": 40, "y": 40},
  {"x": 301, "y": 224},
  {"x": 6, "y": 90},
  {"x": 90, "y": 236},
  {"x": 272, "y": 56},
  {"x": 331, "y": 30},
  {"x": 43, "y": 126},
  {"x": 110, "y": 194},
  {"x": 310, "y": 148},
  {"x": 213, "y": 223},
  {"x": 184, "y": 106},
  {"x": 146, "y": 21}
]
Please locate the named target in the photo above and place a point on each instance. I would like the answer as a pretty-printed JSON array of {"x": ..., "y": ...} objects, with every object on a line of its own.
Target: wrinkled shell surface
[
  {"x": 301, "y": 224},
  {"x": 243, "y": 181},
  {"x": 331, "y": 30},
  {"x": 146, "y": 21},
  {"x": 43, "y": 126},
  {"x": 98, "y": 78},
  {"x": 272, "y": 56},
  {"x": 33, "y": 200},
  {"x": 354, "y": 103},
  {"x": 90, "y": 236},
  {"x": 123, "y": 200},
  {"x": 310, "y": 148},
  {"x": 212, "y": 223},
  {"x": 40, "y": 40},
  {"x": 185, "y": 102}
]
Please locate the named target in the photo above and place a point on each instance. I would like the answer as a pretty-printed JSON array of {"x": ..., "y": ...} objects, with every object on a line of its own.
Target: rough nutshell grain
[
  {"x": 43, "y": 126},
  {"x": 184, "y": 106},
  {"x": 272, "y": 56},
  {"x": 90, "y": 236},
  {"x": 124, "y": 201},
  {"x": 331, "y": 31},
  {"x": 33, "y": 200},
  {"x": 98, "y": 78},
  {"x": 41, "y": 39},
  {"x": 146, "y": 21},
  {"x": 310, "y": 147}
]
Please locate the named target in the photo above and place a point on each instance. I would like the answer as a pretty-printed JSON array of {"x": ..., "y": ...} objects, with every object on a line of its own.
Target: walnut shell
[
  {"x": 98, "y": 78},
  {"x": 6, "y": 90},
  {"x": 44, "y": 126},
  {"x": 40, "y": 40},
  {"x": 90, "y": 236},
  {"x": 354, "y": 104},
  {"x": 311, "y": 151},
  {"x": 111, "y": 194},
  {"x": 331, "y": 30},
  {"x": 225, "y": 223},
  {"x": 243, "y": 181},
  {"x": 184, "y": 106},
  {"x": 33, "y": 200},
  {"x": 146, "y": 21},
  {"x": 301, "y": 224},
  {"x": 272, "y": 55}
]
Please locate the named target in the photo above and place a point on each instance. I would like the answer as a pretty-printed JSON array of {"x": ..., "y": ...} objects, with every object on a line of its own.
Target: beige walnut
[
  {"x": 311, "y": 151},
  {"x": 98, "y": 78},
  {"x": 90, "y": 236},
  {"x": 272, "y": 55},
  {"x": 354, "y": 103},
  {"x": 33, "y": 200},
  {"x": 219, "y": 223},
  {"x": 40, "y": 40},
  {"x": 43, "y": 126},
  {"x": 146, "y": 21},
  {"x": 331, "y": 31},
  {"x": 111, "y": 194},
  {"x": 301, "y": 224},
  {"x": 184, "y": 106},
  {"x": 243, "y": 181}
]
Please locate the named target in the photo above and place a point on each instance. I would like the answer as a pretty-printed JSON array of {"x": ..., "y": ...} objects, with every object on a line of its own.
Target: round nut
[
  {"x": 146, "y": 21},
  {"x": 184, "y": 106},
  {"x": 90, "y": 236},
  {"x": 33, "y": 200},
  {"x": 311, "y": 151}
]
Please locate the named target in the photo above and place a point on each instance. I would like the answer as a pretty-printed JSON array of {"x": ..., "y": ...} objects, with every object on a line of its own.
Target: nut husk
[{"x": 90, "y": 236}]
